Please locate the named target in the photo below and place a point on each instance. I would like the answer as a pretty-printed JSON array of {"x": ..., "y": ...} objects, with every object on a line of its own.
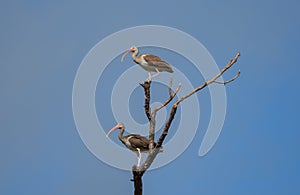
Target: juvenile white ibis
[
  {"x": 149, "y": 62},
  {"x": 134, "y": 142}
]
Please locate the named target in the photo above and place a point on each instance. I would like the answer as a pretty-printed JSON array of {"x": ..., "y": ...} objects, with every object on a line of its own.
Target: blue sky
[{"x": 43, "y": 44}]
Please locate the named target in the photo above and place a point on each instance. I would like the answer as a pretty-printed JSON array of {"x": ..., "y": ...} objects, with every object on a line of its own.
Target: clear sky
[{"x": 43, "y": 44}]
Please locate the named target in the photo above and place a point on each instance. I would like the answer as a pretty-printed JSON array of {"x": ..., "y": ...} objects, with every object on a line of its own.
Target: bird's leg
[
  {"x": 139, "y": 156},
  {"x": 149, "y": 77},
  {"x": 157, "y": 73}
]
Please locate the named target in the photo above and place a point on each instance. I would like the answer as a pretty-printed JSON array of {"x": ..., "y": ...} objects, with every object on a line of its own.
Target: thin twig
[
  {"x": 229, "y": 64},
  {"x": 170, "y": 87},
  {"x": 172, "y": 95},
  {"x": 228, "y": 81}
]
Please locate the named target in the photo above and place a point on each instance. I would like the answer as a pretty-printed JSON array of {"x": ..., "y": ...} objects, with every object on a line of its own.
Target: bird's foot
[{"x": 149, "y": 79}]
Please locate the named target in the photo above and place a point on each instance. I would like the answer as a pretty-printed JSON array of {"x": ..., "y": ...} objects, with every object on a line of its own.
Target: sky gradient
[{"x": 43, "y": 44}]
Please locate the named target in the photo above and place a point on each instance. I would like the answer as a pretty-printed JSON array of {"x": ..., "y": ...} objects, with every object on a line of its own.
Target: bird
[
  {"x": 149, "y": 62},
  {"x": 134, "y": 142}
]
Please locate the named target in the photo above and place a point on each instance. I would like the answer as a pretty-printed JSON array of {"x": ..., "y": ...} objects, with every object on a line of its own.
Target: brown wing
[
  {"x": 137, "y": 141},
  {"x": 158, "y": 63},
  {"x": 150, "y": 57}
]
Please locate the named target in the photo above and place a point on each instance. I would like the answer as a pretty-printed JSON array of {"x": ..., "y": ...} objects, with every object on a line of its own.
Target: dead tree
[{"x": 138, "y": 172}]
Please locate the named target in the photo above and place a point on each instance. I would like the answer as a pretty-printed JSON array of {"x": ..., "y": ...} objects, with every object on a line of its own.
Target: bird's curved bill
[
  {"x": 125, "y": 54},
  {"x": 112, "y": 129}
]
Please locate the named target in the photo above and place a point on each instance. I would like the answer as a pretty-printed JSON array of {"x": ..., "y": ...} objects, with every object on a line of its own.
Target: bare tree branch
[
  {"x": 172, "y": 95},
  {"x": 229, "y": 64},
  {"x": 174, "y": 108},
  {"x": 155, "y": 110},
  {"x": 167, "y": 127},
  {"x": 138, "y": 172},
  {"x": 146, "y": 86},
  {"x": 228, "y": 81}
]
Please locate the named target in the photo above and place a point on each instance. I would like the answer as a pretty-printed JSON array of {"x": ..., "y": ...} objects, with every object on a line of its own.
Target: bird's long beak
[
  {"x": 112, "y": 129},
  {"x": 125, "y": 54}
]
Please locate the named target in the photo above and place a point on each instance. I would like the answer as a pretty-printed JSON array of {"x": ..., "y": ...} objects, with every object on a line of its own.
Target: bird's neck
[
  {"x": 134, "y": 56},
  {"x": 120, "y": 135}
]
